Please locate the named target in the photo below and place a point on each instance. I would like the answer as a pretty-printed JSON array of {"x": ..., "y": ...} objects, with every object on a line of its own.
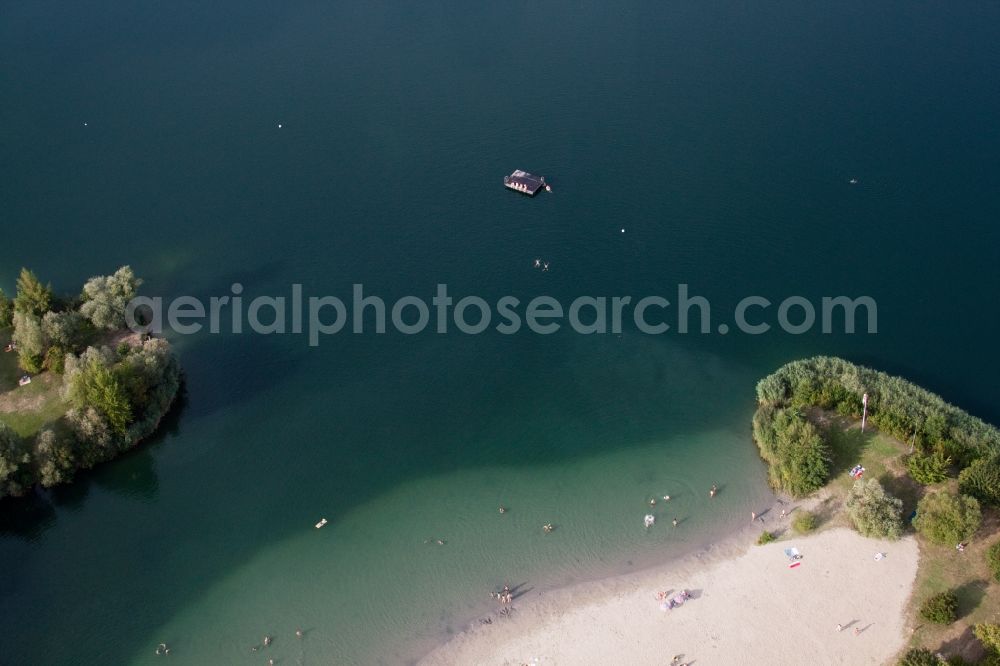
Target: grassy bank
[{"x": 26, "y": 409}]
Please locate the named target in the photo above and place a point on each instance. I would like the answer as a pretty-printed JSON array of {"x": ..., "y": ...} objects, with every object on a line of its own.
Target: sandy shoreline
[{"x": 748, "y": 607}]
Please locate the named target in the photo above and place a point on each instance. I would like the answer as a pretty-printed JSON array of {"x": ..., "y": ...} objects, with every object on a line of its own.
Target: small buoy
[
  {"x": 85, "y": 124},
  {"x": 279, "y": 125},
  {"x": 623, "y": 230}
]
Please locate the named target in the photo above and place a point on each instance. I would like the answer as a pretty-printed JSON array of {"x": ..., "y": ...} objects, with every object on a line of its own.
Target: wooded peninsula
[{"x": 77, "y": 387}]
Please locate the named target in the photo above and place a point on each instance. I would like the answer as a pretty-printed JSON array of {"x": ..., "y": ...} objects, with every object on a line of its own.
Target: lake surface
[{"x": 721, "y": 137}]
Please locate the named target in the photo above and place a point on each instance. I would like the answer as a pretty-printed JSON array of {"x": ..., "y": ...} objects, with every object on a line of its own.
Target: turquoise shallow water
[{"x": 721, "y": 138}]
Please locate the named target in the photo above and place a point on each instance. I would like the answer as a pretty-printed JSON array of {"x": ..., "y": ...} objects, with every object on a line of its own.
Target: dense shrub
[
  {"x": 14, "y": 462},
  {"x": 55, "y": 457},
  {"x": 29, "y": 340},
  {"x": 798, "y": 459},
  {"x": 118, "y": 401},
  {"x": 991, "y": 659},
  {"x": 919, "y": 657},
  {"x": 106, "y": 296},
  {"x": 764, "y": 538},
  {"x": 941, "y": 608},
  {"x": 6, "y": 310},
  {"x": 959, "y": 660},
  {"x": 874, "y": 512},
  {"x": 804, "y": 522},
  {"x": 981, "y": 480},
  {"x": 896, "y": 406},
  {"x": 989, "y": 635},
  {"x": 993, "y": 560},
  {"x": 928, "y": 468},
  {"x": 946, "y": 518}
]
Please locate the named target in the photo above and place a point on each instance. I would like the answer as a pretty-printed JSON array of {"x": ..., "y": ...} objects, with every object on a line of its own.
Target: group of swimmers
[
  {"x": 269, "y": 639},
  {"x": 505, "y": 597},
  {"x": 666, "y": 498}
]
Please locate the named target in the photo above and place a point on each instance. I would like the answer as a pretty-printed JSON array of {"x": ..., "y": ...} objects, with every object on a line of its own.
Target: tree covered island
[
  {"x": 921, "y": 466},
  {"x": 77, "y": 387}
]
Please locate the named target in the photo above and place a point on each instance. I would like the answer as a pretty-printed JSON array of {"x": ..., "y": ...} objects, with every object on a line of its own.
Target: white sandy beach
[{"x": 748, "y": 607}]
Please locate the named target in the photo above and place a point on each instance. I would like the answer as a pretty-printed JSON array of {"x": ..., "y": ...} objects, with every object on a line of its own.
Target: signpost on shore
[{"x": 864, "y": 412}]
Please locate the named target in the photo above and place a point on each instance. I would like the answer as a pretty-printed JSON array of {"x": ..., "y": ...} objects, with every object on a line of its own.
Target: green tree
[
  {"x": 928, "y": 468},
  {"x": 940, "y": 608},
  {"x": 993, "y": 560},
  {"x": 63, "y": 332},
  {"x": 919, "y": 657},
  {"x": 54, "y": 457},
  {"x": 97, "y": 441},
  {"x": 14, "y": 462},
  {"x": 64, "y": 329},
  {"x": 6, "y": 311},
  {"x": 33, "y": 297},
  {"x": 798, "y": 458},
  {"x": 946, "y": 518},
  {"x": 981, "y": 480},
  {"x": 106, "y": 297},
  {"x": 989, "y": 634},
  {"x": 93, "y": 382},
  {"x": 29, "y": 340},
  {"x": 874, "y": 512}
]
